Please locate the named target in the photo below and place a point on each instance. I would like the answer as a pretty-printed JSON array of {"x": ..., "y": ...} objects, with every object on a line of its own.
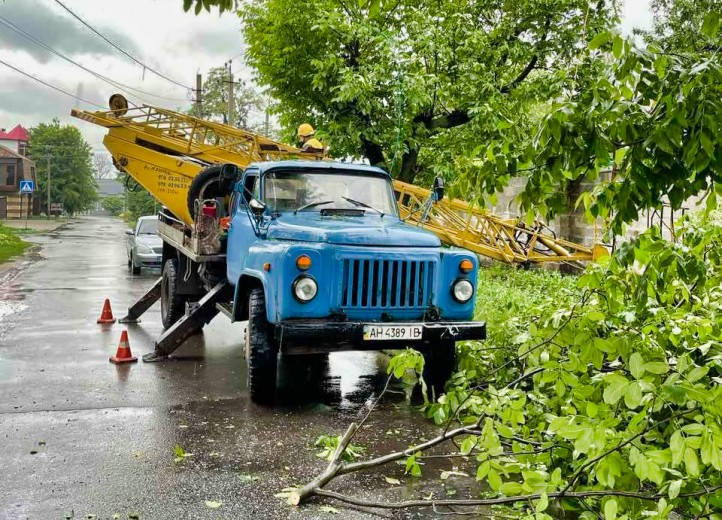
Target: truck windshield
[
  {"x": 291, "y": 190},
  {"x": 148, "y": 227}
]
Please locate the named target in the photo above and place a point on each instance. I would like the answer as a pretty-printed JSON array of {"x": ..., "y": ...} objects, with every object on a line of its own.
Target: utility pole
[
  {"x": 230, "y": 93},
  {"x": 199, "y": 96},
  {"x": 267, "y": 126},
  {"x": 48, "y": 157}
]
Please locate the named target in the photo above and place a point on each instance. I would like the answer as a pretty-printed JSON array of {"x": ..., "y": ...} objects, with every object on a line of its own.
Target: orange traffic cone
[
  {"x": 107, "y": 315},
  {"x": 123, "y": 354}
]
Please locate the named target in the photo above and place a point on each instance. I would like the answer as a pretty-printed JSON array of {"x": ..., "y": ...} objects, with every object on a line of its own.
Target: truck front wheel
[
  {"x": 261, "y": 350},
  {"x": 172, "y": 304},
  {"x": 439, "y": 360}
]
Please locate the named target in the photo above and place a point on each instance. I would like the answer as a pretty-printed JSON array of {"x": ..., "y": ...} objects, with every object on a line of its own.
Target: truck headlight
[
  {"x": 462, "y": 290},
  {"x": 305, "y": 288},
  {"x": 144, "y": 249}
]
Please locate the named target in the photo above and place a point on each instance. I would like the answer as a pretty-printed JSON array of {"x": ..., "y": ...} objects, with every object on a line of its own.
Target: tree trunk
[{"x": 408, "y": 170}]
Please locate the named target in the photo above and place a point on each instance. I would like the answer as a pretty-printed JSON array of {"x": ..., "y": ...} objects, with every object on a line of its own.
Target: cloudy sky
[{"x": 156, "y": 32}]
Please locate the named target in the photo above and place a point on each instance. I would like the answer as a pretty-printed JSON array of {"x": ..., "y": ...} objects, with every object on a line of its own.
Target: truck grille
[{"x": 386, "y": 284}]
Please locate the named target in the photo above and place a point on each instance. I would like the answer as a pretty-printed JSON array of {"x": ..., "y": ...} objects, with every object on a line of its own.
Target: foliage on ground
[
  {"x": 615, "y": 393},
  {"x": 10, "y": 244}
]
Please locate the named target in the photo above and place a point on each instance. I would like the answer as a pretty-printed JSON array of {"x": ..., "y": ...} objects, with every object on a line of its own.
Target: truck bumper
[{"x": 305, "y": 336}]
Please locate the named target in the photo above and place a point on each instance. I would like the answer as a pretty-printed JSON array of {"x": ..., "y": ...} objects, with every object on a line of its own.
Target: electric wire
[
  {"x": 51, "y": 86},
  {"x": 130, "y": 90},
  {"x": 115, "y": 46}
]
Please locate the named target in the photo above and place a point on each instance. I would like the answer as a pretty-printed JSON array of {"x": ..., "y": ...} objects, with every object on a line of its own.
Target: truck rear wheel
[
  {"x": 261, "y": 350},
  {"x": 172, "y": 304},
  {"x": 439, "y": 361}
]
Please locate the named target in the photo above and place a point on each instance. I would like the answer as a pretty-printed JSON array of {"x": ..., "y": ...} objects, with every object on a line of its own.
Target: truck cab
[{"x": 320, "y": 261}]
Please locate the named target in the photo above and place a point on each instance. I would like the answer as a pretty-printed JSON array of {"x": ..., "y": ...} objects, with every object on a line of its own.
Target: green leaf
[
  {"x": 511, "y": 489},
  {"x": 696, "y": 374},
  {"x": 212, "y": 504},
  {"x": 633, "y": 396},
  {"x": 615, "y": 391},
  {"x": 674, "y": 488},
  {"x": 710, "y": 24},
  {"x": 542, "y": 503},
  {"x": 599, "y": 40},
  {"x": 656, "y": 367},
  {"x": 617, "y": 46},
  {"x": 636, "y": 365},
  {"x": 393, "y": 481},
  {"x": 494, "y": 480},
  {"x": 610, "y": 509},
  {"x": 677, "y": 446}
]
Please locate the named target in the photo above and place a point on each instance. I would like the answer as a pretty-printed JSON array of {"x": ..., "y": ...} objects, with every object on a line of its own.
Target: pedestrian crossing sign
[{"x": 27, "y": 186}]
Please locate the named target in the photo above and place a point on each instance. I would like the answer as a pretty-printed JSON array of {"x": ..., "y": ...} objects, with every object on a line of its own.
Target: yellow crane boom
[{"x": 164, "y": 150}]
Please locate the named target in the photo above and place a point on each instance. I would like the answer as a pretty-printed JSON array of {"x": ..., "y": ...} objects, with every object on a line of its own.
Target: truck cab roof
[{"x": 266, "y": 166}]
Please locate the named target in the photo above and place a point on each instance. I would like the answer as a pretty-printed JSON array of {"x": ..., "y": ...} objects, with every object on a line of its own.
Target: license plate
[{"x": 392, "y": 332}]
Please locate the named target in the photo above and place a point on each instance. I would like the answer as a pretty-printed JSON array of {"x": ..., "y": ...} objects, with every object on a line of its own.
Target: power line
[
  {"x": 160, "y": 74},
  {"x": 131, "y": 90},
  {"x": 51, "y": 86}
]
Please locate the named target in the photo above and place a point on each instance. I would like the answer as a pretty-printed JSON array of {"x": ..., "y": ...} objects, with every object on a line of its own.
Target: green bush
[{"x": 10, "y": 244}]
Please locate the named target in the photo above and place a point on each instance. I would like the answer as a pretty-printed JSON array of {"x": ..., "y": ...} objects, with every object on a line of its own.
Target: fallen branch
[{"x": 502, "y": 500}]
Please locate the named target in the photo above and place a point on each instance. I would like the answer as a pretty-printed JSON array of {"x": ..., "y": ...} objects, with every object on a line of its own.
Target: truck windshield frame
[{"x": 287, "y": 191}]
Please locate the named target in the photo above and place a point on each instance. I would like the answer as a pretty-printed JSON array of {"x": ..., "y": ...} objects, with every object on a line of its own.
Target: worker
[{"x": 309, "y": 143}]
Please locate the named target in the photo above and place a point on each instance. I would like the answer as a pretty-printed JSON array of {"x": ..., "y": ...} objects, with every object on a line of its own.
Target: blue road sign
[{"x": 27, "y": 186}]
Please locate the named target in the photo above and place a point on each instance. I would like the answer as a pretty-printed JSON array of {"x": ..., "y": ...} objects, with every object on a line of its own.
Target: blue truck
[{"x": 316, "y": 258}]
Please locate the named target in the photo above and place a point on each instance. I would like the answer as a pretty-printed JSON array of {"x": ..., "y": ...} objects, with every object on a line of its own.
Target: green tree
[
  {"x": 677, "y": 25},
  {"x": 63, "y": 149},
  {"x": 139, "y": 201},
  {"x": 113, "y": 204},
  {"x": 215, "y": 99},
  {"x": 398, "y": 82},
  {"x": 647, "y": 130}
]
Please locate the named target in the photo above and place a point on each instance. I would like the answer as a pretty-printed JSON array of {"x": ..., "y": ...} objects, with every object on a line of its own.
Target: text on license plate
[{"x": 392, "y": 332}]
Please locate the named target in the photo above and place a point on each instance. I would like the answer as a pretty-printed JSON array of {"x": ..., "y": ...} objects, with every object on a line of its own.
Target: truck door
[{"x": 241, "y": 233}]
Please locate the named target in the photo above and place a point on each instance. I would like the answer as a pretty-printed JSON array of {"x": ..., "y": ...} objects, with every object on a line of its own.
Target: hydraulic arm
[{"x": 164, "y": 150}]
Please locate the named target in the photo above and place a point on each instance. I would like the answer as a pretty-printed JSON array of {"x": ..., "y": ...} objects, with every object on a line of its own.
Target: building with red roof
[{"x": 15, "y": 167}]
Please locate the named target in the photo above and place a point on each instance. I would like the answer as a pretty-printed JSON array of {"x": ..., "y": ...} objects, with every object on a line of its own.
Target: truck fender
[{"x": 248, "y": 281}]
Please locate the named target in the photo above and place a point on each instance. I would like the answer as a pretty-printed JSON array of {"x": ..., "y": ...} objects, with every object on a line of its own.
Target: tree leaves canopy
[
  {"x": 63, "y": 149},
  {"x": 385, "y": 79}
]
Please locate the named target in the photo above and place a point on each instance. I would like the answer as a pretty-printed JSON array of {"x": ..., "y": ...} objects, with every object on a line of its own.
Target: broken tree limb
[
  {"x": 502, "y": 500},
  {"x": 337, "y": 467},
  {"x": 299, "y": 495}
]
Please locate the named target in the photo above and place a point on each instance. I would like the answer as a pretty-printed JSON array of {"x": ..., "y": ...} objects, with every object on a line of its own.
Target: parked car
[{"x": 145, "y": 247}]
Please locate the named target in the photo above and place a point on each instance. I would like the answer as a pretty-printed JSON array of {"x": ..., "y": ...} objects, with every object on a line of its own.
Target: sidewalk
[{"x": 41, "y": 225}]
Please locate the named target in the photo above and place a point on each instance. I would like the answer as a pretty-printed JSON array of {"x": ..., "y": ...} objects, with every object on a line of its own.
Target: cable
[
  {"x": 52, "y": 86},
  {"x": 160, "y": 74},
  {"x": 116, "y": 84}
]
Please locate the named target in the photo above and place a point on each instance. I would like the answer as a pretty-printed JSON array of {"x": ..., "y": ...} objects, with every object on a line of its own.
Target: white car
[{"x": 145, "y": 247}]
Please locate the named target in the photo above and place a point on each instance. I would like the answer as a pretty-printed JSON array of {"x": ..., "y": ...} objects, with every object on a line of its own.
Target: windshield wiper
[
  {"x": 312, "y": 205},
  {"x": 358, "y": 203}
]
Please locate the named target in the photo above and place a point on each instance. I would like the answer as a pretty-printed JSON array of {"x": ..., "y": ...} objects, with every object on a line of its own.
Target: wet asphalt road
[{"x": 80, "y": 435}]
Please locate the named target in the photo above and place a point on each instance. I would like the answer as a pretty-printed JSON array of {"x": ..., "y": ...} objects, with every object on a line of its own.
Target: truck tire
[
  {"x": 261, "y": 350},
  {"x": 439, "y": 361},
  {"x": 214, "y": 181},
  {"x": 172, "y": 304}
]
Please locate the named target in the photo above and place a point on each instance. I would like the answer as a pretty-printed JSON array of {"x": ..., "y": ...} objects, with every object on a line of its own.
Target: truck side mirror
[
  {"x": 257, "y": 207},
  {"x": 129, "y": 232},
  {"x": 438, "y": 189}
]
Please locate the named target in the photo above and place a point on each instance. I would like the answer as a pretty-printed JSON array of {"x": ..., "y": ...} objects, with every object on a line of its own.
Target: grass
[
  {"x": 507, "y": 293},
  {"x": 10, "y": 244}
]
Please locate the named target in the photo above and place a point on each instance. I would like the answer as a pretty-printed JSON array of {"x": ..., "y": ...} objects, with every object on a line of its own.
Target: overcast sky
[{"x": 157, "y": 32}]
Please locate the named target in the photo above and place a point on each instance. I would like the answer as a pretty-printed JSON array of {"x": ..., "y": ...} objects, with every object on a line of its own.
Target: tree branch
[
  {"x": 502, "y": 500},
  {"x": 522, "y": 75}
]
